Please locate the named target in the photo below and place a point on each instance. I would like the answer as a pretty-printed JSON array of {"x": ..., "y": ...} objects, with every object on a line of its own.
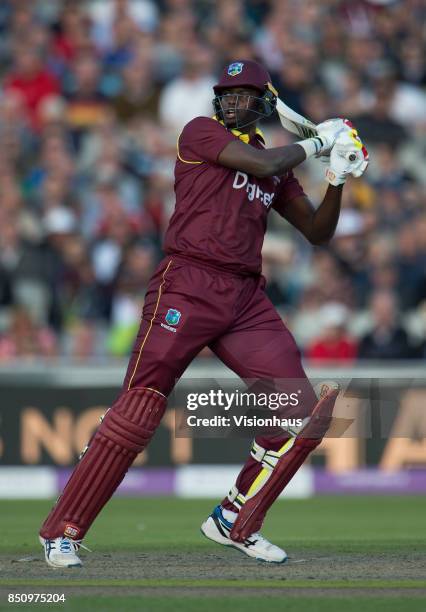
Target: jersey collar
[{"x": 244, "y": 137}]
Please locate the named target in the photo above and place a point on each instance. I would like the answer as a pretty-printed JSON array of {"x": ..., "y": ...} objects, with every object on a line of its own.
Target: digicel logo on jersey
[{"x": 253, "y": 190}]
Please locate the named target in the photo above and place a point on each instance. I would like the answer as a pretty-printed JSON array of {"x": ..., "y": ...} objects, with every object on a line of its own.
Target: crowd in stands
[{"x": 93, "y": 94}]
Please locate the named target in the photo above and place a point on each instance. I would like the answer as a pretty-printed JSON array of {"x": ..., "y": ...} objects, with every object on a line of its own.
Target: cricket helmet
[{"x": 246, "y": 73}]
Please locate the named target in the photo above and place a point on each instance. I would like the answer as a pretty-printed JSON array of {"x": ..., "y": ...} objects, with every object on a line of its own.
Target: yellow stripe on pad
[{"x": 261, "y": 477}]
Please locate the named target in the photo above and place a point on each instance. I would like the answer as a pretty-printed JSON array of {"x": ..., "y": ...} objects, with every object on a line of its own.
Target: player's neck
[{"x": 250, "y": 130}]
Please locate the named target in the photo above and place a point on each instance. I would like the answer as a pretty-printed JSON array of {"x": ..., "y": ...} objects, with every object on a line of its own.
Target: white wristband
[{"x": 311, "y": 146}]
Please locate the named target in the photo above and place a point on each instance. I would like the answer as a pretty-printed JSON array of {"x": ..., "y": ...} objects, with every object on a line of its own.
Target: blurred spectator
[
  {"x": 108, "y": 210},
  {"x": 330, "y": 279},
  {"x": 23, "y": 279},
  {"x": 15, "y": 129},
  {"x": 26, "y": 340},
  {"x": 411, "y": 267},
  {"x": 80, "y": 294},
  {"x": 54, "y": 160},
  {"x": 131, "y": 283},
  {"x": 378, "y": 123},
  {"x": 86, "y": 102},
  {"x": 31, "y": 78},
  {"x": 387, "y": 339},
  {"x": 386, "y": 171},
  {"x": 333, "y": 343},
  {"x": 105, "y": 14},
  {"x": 190, "y": 95},
  {"x": 274, "y": 289},
  {"x": 412, "y": 64},
  {"x": 72, "y": 36},
  {"x": 294, "y": 83},
  {"x": 81, "y": 340},
  {"x": 139, "y": 94}
]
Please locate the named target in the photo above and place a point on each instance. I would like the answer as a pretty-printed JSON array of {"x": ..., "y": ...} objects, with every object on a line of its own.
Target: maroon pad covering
[
  {"x": 125, "y": 431},
  {"x": 250, "y": 517}
]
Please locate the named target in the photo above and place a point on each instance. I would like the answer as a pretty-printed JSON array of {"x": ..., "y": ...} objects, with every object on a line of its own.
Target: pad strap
[
  {"x": 268, "y": 458},
  {"x": 236, "y": 498}
]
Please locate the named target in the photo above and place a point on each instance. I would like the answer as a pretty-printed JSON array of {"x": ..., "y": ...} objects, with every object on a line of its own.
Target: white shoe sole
[
  {"x": 53, "y": 565},
  {"x": 209, "y": 529}
]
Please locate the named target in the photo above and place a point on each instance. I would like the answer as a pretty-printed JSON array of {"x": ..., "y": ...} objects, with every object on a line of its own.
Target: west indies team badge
[
  {"x": 173, "y": 316},
  {"x": 235, "y": 68}
]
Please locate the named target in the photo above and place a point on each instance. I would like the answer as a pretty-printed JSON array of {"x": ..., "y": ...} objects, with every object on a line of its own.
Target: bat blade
[{"x": 295, "y": 123}]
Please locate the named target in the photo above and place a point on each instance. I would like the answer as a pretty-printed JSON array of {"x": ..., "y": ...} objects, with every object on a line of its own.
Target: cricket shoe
[
  {"x": 61, "y": 552},
  {"x": 217, "y": 528}
]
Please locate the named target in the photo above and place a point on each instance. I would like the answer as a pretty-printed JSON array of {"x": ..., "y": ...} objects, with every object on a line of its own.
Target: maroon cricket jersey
[{"x": 220, "y": 214}]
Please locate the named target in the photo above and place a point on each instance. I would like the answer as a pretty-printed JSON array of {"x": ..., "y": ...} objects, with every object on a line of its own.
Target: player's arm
[
  {"x": 270, "y": 162},
  {"x": 318, "y": 226}
]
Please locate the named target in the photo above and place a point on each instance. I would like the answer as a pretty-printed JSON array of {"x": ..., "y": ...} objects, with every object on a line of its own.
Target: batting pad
[
  {"x": 253, "y": 511},
  {"x": 124, "y": 432}
]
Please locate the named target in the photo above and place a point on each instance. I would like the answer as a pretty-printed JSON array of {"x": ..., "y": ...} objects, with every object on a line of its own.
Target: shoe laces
[
  {"x": 260, "y": 538},
  {"x": 67, "y": 545},
  {"x": 79, "y": 544}
]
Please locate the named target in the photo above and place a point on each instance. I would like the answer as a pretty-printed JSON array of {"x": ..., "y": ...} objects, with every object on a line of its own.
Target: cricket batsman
[{"x": 208, "y": 291}]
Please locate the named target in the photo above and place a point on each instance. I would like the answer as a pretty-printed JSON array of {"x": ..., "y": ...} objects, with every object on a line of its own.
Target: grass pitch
[{"x": 345, "y": 553}]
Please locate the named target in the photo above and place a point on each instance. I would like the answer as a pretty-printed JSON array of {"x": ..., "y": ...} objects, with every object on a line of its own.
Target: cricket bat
[{"x": 297, "y": 124}]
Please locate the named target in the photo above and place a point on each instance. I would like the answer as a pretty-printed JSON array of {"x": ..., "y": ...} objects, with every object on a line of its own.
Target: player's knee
[{"x": 132, "y": 420}]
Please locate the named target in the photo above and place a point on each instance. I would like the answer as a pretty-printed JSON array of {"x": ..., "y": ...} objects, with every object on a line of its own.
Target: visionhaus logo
[{"x": 244, "y": 421}]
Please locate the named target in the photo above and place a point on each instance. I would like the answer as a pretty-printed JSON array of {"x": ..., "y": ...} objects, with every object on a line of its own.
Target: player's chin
[
  {"x": 230, "y": 124},
  {"x": 237, "y": 120}
]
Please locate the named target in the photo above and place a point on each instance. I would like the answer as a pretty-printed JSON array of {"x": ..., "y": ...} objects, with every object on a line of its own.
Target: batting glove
[
  {"x": 348, "y": 156},
  {"x": 329, "y": 131}
]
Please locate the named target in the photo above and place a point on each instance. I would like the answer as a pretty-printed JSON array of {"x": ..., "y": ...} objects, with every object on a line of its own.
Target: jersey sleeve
[
  {"x": 288, "y": 189},
  {"x": 202, "y": 140}
]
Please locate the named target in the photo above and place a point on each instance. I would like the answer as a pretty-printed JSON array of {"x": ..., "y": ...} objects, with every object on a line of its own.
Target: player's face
[{"x": 238, "y": 104}]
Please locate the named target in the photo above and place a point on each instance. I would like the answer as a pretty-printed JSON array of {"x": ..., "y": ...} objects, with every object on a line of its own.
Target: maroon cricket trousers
[{"x": 189, "y": 304}]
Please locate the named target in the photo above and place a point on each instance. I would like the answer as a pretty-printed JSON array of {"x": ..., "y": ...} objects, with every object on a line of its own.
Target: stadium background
[{"x": 93, "y": 95}]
